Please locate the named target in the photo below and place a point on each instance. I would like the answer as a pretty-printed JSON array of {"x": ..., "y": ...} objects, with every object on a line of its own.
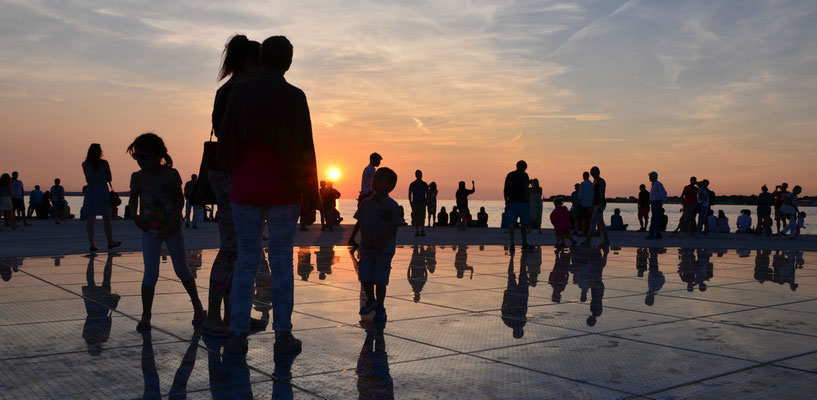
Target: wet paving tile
[{"x": 757, "y": 383}]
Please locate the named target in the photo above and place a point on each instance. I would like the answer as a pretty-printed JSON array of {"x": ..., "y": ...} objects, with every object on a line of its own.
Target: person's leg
[
  {"x": 594, "y": 221},
  {"x": 702, "y": 215},
  {"x": 281, "y": 221},
  {"x": 512, "y": 218},
  {"x": 655, "y": 228},
  {"x": 175, "y": 245},
  {"x": 221, "y": 273},
  {"x": 106, "y": 224},
  {"x": 602, "y": 225},
  {"x": 151, "y": 249},
  {"x": 352, "y": 242},
  {"x": 368, "y": 288},
  {"x": 89, "y": 229},
  {"x": 248, "y": 222},
  {"x": 380, "y": 296},
  {"x": 187, "y": 206}
]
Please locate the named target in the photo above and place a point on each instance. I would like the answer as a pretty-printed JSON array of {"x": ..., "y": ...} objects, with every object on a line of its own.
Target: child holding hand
[
  {"x": 379, "y": 217},
  {"x": 156, "y": 202},
  {"x": 560, "y": 218}
]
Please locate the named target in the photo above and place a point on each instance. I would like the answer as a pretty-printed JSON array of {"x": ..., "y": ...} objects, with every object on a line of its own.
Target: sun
[{"x": 334, "y": 174}]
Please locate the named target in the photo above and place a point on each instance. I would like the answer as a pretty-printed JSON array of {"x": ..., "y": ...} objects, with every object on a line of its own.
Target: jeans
[
  {"x": 598, "y": 219},
  {"x": 221, "y": 274},
  {"x": 655, "y": 223},
  {"x": 197, "y": 210},
  {"x": 151, "y": 252},
  {"x": 282, "y": 221},
  {"x": 702, "y": 216}
]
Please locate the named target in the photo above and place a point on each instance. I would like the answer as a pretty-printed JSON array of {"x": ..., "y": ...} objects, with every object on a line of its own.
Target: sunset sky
[{"x": 725, "y": 90}]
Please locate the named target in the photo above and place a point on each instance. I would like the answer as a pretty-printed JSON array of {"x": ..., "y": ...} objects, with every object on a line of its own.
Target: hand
[{"x": 139, "y": 221}]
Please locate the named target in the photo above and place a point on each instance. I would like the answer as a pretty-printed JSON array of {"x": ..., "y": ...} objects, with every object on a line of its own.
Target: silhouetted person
[
  {"x": 454, "y": 216},
  {"x": 686, "y": 267},
  {"x": 461, "y": 262},
  {"x": 178, "y": 389},
  {"x": 658, "y": 196},
  {"x": 268, "y": 127},
  {"x": 598, "y": 207},
  {"x": 374, "y": 380},
  {"x": 418, "y": 198},
  {"x": 188, "y": 206},
  {"x": 305, "y": 262},
  {"x": 462, "y": 203},
  {"x": 536, "y": 208},
  {"x": 643, "y": 208},
  {"x": 417, "y": 273},
  {"x": 780, "y": 193},
  {"x": 561, "y": 226},
  {"x": 765, "y": 201},
  {"x": 35, "y": 198},
  {"x": 791, "y": 210},
  {"x": 515, "y": 298},
  {"x": 57, "y": 200},
  {"x": 442, "y": 217},
  {"x": 744, "y": 222},
  {"x": 6, "y": 204},
  {"x": 482, "y": 218},
  {"x": 689, "y": 199},
  {"x": 329, "y": 213},
  {"x": 97, "y": 199},
  {"x": 575, "y": 208},
  {"x": 431, "y": 203},
  {"x": 517, "y": 202},
  {"x": 325, "y": 258},
  {"x": 703, "y": 207},
  {"x": 99, "y": 305},
  {"x": 559, "y": 276},
  {"x": 616, "y": 222},
  {"x": 18, "y": 197},
  {"x": 366, "y": 188}
]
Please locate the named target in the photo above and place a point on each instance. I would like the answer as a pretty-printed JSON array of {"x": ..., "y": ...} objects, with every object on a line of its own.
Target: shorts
[
  {"x": 519, "y": 211},
  {"x": 643, "y": 212},
  {"x": 374, "y": 267},
  {"x": 418, "y": 214},
  {"x": 19, "y": 204},
  {"x": 582, "y": 212},
  {"x": 780, "y": 215},
  {"x": 764, "y": 212}
]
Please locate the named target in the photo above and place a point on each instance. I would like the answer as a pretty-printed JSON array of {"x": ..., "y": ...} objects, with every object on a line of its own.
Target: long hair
[
  {"x": 5, "y": 180},
  {"x": 150, "y": 143},
  {"x": 94, "y": 155},
  {"x": 237, "y": 50}
]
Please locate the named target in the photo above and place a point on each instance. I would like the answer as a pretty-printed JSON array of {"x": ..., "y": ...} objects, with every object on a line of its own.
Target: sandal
[
  {"x": 113, "y": 245},
  {"x": 143, "y": 326}
]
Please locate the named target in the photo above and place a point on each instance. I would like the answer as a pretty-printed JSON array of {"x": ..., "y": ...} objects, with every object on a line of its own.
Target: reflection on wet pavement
[{"x": 463, "y": 322}]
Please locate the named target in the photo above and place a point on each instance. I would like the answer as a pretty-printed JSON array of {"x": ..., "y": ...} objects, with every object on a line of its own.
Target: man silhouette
[{"x": 418, "y": 191}]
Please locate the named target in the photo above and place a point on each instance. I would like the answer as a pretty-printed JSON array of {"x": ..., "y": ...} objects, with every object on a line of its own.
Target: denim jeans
[
  {"x": 282, "y": 221},
  {"x": 703, "y": 214},
  {"x": 598, "y": 220},
  {"x": 655, "y": 223}
]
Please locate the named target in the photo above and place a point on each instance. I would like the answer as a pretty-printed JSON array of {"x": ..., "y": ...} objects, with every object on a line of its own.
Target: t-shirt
[
  {"x": 778, "y": 198},
  {"x": 703, "y": 197},
  {"x": 418, "y": 190},
  {"x": 643, "y": 199},
  {"x": 17, "y": 189},
  {"x": 188, "y": 189},
  {"x": 723, "y": 225},
  {"x": 599, "y": 195},
  {"x": 657, "y": 192},
  {"x": 516, "y": 186},
  {"x": 158, "y": 195},
  {"x": 712, "y": 221},
  {"x": 368, "y": 177},
  {"x": 259, "y": 178},
  {"x": 764, "y": 202},
  {"x": 57, "y": 194},
  {"x": 690, "y": 194},
  {"x": 36, "y": 196},
  {"x": 560, "y": 218},
  {"x": 462, "y": 198},
  {"x": 744, "y": 223},
  {"x": 377, "y": 218},
  {"x": 586, "y": 193}
]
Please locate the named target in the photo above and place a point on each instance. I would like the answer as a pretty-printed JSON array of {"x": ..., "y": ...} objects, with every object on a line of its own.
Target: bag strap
[{"x": 211, "y": 134}]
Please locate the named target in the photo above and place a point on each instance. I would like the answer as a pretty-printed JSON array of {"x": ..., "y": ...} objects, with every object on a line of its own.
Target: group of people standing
[{"x": 42, "y": 205}]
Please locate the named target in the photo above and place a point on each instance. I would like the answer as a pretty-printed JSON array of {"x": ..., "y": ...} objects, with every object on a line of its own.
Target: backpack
[{"x": 711, "y": 198}]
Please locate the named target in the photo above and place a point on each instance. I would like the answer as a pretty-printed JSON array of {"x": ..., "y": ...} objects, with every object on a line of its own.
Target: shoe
[
  {"x": 93, "y": 249},
  {"x": 217, "y": 331},
  {"x": 238, "y": 343},
  {"x": 114, "y": 245},
  {"x": 286, "y": 343},
  {"x": 199, "y": 318},
  {"x": 526, "y": 246},
  {"x": 257, "y": 324},
  {"x": 422, "y": 233},
  {"x": 380, "y": 315},
  {"x": 367, "y": 308}
]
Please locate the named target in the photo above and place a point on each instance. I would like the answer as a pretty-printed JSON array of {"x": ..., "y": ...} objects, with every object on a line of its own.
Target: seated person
[
  {"x": 442, "y": 217},
  {"x": 723, "y": 222},
  {"x": 482, "y": 218},
  {"x": 616, "y": 222},
  {"x": 712, "y": 222},
  {"x": 454, "y": 216},
  {"x": 745, "y": 221},
  {"x": 664, "y": 220}
]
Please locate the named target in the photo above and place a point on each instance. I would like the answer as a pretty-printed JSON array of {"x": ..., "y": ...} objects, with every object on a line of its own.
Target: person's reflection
[
  {"x": 6, "y": 266},
  {"x": 304, "y": 262},
  {"x": 515, "y": 298},
  {"x": 417, "y": 273},
  {"x": 57, "y": 260},
  {"x": 784, "y": 269},
  {"x": 282, "y": 374},
  {"x": 374, "y": 379},
  {"x": 461, "y": 262},
  {"x": 686, "y": 267},
  {"x": 228, "y": 372},
  {"x": 178, "y": 389},
  {"x": 655, "y": 278},
  {"x": 430, "y": 254},
  {"x": 324, "y": 259},
  {"x": 763, "y": 272},
  {"x": 194, "y": 261},
  {"x": 598, "y": 260},
  {"x": 560, "y": 274},
  {"x": 703, "y": 269},
  {"x": 641, "y": 256},
  {"x": 535, "y": 266},
  {"x": 99, "y": 306}
]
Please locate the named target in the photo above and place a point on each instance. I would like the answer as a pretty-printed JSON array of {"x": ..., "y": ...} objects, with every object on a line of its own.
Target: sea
[{"x": 495, "y": 208}]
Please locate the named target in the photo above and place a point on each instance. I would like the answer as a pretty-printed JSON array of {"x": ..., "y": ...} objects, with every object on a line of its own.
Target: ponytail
[{"x": 150, "y": 143}]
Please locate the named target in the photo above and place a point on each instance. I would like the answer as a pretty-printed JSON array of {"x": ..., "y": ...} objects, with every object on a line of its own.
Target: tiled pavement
[{"x": 464, "y": 322}]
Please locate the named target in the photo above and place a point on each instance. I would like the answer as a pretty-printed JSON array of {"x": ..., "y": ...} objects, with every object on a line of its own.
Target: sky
[{"x": 724, "y": 90}]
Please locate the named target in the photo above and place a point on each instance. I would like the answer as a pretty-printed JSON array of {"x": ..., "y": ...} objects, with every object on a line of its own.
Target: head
[
  {"x": 764, "y": 189},
  {"x": 748, "y": 212},
  {"x": 14, "y": 175},
  {"x": 442, "y": 209},
  {"x": 194, "y": 177},
  {"x": 418, "y": 174},
  {"x": 239, "y": 52},
  {"x": 416, "y": 297},
  {"x": 276, "y": 53},
  {"x": 585, "y": 175},
  {"x": 57, "y": 181},
  {"x": 5, "y": 180},
  {"x": 384, "y": 181},
  {"x": 94, "y": 154},
  {"x": 617, "y": 211},
  {"x": 653, "y": 176},
  {"x": 432, "y": 185},
  {"x": 518, "y": 332},
  {"x": 482, "y": 209},
  {"x": 521, "y": 165},
  {"x": 576, "y": 186},
  {"x": 36, "y": 187},
  {"x": 558, "y": 202},
  {"x": 784, "y": 185},
  {"x": 322, "y": 184},
  {"x": 534, "y": 183},
  {"x": 594, "y": 172},
  {"x": 149, "y": 151},
  {"x": 642, "y": 187},
  {"x": 375, "y": 159},
  {"x": 461, "y": 185},
  {"x": 802, "y": 215},
  {"x": 721, "y": 214},
  {"x": 454, "y": 209},
  {"x": 797, "y": 189}
]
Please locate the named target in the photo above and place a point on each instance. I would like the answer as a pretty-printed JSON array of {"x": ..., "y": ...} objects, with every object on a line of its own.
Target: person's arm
[
  {"x": 107, "y": 171},
  {"x": 506, "y": 188},
  {"x": 133, "y": 205},
  {"x": 473, "y": 188},
  {"x": 409, "y": 194},
  {"x": 307, "y": 164}
]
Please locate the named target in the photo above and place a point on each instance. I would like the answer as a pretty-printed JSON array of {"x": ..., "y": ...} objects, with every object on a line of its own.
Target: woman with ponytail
[{"x": 240, "y": 62}]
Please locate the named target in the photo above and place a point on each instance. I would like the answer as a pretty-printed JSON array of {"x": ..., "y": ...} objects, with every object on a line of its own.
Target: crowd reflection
[{"x": 100, "y": 304}]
